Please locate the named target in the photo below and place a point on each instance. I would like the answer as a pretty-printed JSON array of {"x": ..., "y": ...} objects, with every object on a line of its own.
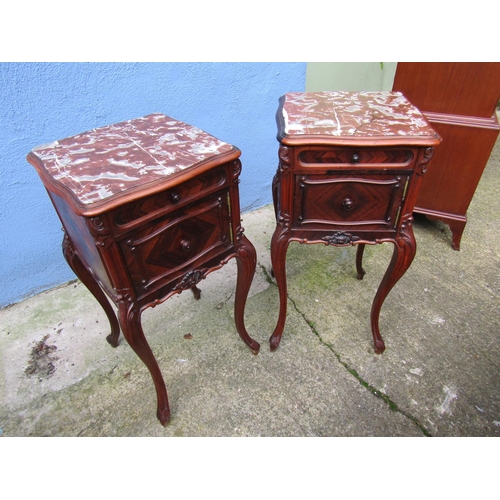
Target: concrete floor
[{"x": 439, "y": 375}]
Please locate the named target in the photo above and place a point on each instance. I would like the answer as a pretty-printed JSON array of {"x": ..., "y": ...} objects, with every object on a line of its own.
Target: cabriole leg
[
  {"x": 404, "y": 252},
  {"x": 130, "y": 320},
  {"x": 279, "y": 245},
  {"x": 359, "y": 261},
  {"x": 246, "y": 259},
  {"x": 86, "y": 277}
]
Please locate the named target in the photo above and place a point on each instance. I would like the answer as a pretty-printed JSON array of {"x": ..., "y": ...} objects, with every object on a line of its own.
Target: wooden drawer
[
  {"x": 352, "y": 156},
  {"x": 367, "y": 201},
  {"x": 161, "y": 250},
  {"x": 139, "y": 212}
]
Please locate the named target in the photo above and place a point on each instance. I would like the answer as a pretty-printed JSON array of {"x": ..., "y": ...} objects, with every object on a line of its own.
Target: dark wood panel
[
  {"x": 370, "y": 201},
  {"x": 456, "y": 168},
  {"x": 355, "y": 156},
  {"x": 459, "y": 99},
  {"x": 170, "y": 243},
  {"x": 462, "y": 88}
]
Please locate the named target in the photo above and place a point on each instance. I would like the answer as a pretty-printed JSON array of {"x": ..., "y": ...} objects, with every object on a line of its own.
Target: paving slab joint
[{"x": 384, "y": 397}]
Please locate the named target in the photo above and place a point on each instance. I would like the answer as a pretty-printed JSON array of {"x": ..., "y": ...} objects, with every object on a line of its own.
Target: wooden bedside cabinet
[
  {"x": 350, "y": 166},
  {"x": 149, "y": 207}
]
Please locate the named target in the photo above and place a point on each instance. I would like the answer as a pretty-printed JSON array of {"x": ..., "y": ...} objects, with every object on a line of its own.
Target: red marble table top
[
  {"x": 108, "y": 161},
  {"x": 336, "y": 116}
]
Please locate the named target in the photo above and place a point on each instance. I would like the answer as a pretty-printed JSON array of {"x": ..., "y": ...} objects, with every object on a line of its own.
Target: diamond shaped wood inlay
[{"x": 181, "y": 243}]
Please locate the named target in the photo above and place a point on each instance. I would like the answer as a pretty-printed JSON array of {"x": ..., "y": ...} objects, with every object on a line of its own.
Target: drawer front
[
  {"x": 163, "y": 249},
  {"x": 349, "y": 156},
  {"x": 137, "y": 213},
  {"x": 368, "y": 201}
]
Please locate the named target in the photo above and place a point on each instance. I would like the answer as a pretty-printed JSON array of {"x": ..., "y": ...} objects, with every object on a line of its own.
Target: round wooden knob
[
  {"x": 185, "y": 245},
  {"x": 348, "y": 204}
]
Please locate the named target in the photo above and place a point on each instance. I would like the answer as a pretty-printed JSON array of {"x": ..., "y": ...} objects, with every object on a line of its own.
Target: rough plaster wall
[{"x": 42, "y": 102}]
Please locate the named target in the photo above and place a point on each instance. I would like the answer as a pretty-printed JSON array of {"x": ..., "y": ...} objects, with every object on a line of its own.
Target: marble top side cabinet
[
  {"x": 149, "y": 207},
  {"x": 350, "y": 167}
]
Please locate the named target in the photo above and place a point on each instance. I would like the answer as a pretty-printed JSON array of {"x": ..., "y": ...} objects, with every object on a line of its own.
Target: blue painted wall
[{"x": 42, "y": 102}]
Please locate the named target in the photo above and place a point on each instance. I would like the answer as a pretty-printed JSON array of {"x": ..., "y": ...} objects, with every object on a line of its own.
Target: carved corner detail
[
  {"x": 99, "y": 230},
  {"x": 236, "y": 168},
  {"x": 422, "y": 167},
  {"x": 285, "y": 160}
]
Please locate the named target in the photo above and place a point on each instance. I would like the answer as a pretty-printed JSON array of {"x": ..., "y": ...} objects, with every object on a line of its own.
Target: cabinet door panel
[
  {"x": 161, "y": 250},
  {"x": 347, "y": 200}
]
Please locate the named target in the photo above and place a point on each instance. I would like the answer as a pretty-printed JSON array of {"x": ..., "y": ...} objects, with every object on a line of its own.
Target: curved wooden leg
[
  {"x": 359, "y": 261},
  {"x": 246, "y": 259},
  {"x": 130, "y": 320},
  {"x": 279, "y": 245},
  {"x": 196, "y": 292},
  {"x": 275, "y": 191},
  {"x": 404, "y": 251},
  {"x": 86, "y": 277}
]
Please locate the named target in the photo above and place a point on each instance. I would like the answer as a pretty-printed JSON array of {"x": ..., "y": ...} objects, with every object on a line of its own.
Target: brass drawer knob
[{"x": 355, "y": 158}]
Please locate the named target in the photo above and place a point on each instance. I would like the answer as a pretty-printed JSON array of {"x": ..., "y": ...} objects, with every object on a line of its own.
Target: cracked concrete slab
[{"x": 439, "y": 375}]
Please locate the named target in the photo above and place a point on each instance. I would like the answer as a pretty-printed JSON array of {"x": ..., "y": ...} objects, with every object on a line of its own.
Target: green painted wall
[{"x": 350, "y": 76}]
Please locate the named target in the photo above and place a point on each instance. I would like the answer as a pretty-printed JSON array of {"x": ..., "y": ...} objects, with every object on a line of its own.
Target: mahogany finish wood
[
  {"x": 350, "y": 167},
  {"x": 459, "y": 100},
  {"x": 149, "y": 208}
]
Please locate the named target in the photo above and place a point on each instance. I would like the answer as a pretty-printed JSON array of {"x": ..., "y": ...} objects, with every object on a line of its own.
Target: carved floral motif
[
  {"x": 236, "y": 168},
  {"x": 421, "y": 168},
  {"x": 285, "y": 162},
  {"x": 340, "y": 238},
  {"x": 100, "y": 231},
  {"x": 190, "y": 279}
]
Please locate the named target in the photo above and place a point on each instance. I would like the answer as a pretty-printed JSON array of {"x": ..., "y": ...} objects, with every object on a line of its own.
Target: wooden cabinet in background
[{"x": 459, "y": 100}]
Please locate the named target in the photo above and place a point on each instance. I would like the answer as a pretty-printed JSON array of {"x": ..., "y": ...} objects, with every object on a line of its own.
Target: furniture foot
[
  {"x": 274, "y": 340},
  {"x": 359, "y": 261},
  {"x": 456, "y": 223},
  {"x": 246, "y": 259},
  {"x": 279, "y": 245},
  {"x": 404, "y": 252},
  {"x": 87, "y": 278},
  {"x": 457, "y": 228},
  {"x": 130, "y": 320},
  {"x": 379, "y": 346},
  {"x": 163, "y": 416}
]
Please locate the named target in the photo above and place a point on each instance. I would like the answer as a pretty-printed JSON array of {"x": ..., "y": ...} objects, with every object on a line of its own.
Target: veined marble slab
[
  {"x": 352, "y": 114},
  {"x": 106, "y": 161}
]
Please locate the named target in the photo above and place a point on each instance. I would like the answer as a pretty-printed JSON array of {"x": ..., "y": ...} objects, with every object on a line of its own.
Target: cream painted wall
[{"x": 350, "y": 76}]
